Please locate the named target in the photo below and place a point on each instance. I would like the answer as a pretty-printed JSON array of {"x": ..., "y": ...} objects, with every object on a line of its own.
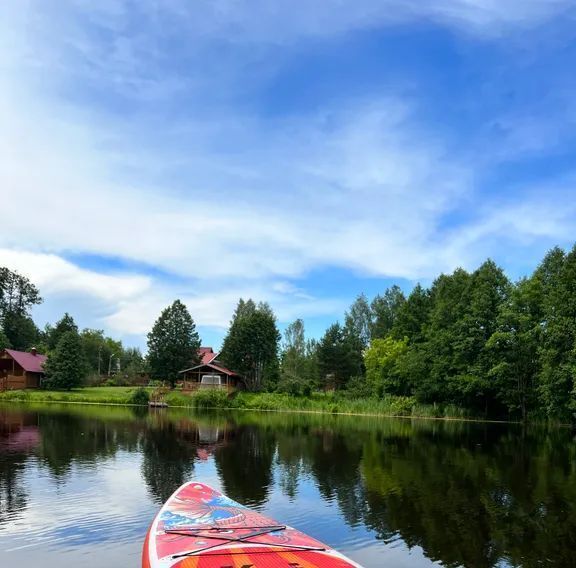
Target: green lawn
[
  {"x": 317, "y": 402},
  {"x": 102, "y": 395}
]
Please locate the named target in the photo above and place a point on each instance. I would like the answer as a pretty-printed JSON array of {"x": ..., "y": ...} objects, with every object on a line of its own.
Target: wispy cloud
[{"x": 126, "y": 135}]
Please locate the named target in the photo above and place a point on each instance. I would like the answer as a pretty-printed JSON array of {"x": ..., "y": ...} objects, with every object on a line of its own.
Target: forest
[{"x": 472, "y": 340}]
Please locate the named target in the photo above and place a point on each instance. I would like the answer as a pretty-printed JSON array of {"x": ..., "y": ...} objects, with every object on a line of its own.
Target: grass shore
[{"x": 318, "y": 402}]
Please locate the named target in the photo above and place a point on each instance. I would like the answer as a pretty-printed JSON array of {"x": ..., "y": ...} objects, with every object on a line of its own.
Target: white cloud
[
  {"x": 310, "y": 196},
  {"x": 129, "y": 304},
  {"x": 110, "y": 147},
  {"x": 54, "y": 275},
  {"x": 543, "y": 218},
  {"x": 214, "y": 308}
]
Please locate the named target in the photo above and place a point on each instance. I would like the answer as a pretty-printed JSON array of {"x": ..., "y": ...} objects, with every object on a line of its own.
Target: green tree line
[
  {"x": 476, "y": 340},
  {"x": 74, "y": 356},
  {"x": 472, "y": 339}
]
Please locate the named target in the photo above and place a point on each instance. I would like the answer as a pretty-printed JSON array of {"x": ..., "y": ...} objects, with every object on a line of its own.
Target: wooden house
[
  {"x": 210, "y": 374},
  {"x": 21, "y": 370}
]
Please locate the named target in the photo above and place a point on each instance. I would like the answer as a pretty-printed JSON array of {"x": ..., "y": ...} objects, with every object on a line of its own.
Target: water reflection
[
  {"x": 19, "y": 435},
  {"x": 464, "y": 494}
]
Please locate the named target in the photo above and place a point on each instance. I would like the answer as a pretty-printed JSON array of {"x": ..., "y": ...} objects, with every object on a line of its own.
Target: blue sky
[{"x": 294, "y": 152}]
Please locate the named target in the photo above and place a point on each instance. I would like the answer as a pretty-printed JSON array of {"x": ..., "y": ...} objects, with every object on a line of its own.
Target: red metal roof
[
  {"x": 208, "y": 359},
  {"x": 206, "y": 355},
  {"x": 28, "y": 361},
  {"x": 216, "y": 367},
  {"x": 221, "y": 368}
]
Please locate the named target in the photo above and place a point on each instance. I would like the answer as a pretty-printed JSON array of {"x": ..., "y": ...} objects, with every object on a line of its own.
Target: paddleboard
[{"x": 199, "y": 527}]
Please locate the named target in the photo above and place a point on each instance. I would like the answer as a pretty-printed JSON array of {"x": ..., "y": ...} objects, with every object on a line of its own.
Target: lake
[{"x": 79, "y": 485}]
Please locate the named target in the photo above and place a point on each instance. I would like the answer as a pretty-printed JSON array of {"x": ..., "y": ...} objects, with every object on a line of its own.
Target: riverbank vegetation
[
  {"x": 472, "y": 340},
  {"x": 470, "y": 344},
  {"x": 316, "y": 402}
]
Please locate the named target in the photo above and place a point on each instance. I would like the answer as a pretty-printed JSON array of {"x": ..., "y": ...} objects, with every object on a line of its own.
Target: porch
[
  {"x": 199, "y": 379},
  {"x": 209, "y": 376},
  {"x": 18, "y": 382}
]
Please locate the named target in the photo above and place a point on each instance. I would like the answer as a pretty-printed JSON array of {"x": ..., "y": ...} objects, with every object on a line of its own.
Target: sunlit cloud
[{"x": 127, "y": 138}]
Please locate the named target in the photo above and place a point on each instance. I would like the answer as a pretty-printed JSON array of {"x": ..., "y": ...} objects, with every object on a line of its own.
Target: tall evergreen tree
[
  {"x": 173, "y": 343},
  {"x": 244, "y": 308},
  {"x": 251, "y": 345},
  {"x": 66, "y": 366},
  {"x": 311, "y": 363},
  {"x": 339, "y": 357},
  {"x": 64, "y": 325}
]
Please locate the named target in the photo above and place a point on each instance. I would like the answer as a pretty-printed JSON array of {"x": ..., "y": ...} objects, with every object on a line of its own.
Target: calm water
[{"x": 79, "y": 485}]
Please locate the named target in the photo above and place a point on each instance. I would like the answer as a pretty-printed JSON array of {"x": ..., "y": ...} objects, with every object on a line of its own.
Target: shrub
[
  {"x": 93, "y": 380},
  {"x": 210, "y": 398},
  {"x": 140, "y": 397},
  {"x": 358, "y": 387},
  {"x": 291, "y": 385},
  {"x": 428, "y": 411},
  {"x": 401, "y": 405}
]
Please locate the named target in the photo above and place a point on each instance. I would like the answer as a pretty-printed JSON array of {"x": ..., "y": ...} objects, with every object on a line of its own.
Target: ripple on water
[{"x": 74, "y": 511}]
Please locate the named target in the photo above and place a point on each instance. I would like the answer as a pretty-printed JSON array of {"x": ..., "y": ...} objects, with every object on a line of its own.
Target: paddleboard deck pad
[{"x": 199, "y": 527}]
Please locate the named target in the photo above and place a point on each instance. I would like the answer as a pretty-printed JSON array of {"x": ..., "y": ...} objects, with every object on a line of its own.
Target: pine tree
[
  {"x": 64, "y": 325},
  {"x": 339, "y": 357},
  {"x": 173, "y": 343},
  {"x": 66, "y": 366},
  {"x": 251, "y": 345}
]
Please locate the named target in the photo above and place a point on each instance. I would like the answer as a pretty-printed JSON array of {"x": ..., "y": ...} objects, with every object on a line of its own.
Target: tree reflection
[
  {"x": 68, "y": 439},
  {"x": 18, "y": 438},
  {"x": 476, "y": 495},
  {"x": 168, "y": 460},
  {"x": 472, "y": 502},
  {"x": 469, "y": 494},
  {"x": 245, "y": 464}
]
